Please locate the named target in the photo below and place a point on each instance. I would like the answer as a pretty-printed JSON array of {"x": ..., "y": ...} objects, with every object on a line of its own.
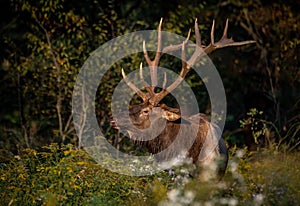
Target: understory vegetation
[{"x": 61, "y": 175}]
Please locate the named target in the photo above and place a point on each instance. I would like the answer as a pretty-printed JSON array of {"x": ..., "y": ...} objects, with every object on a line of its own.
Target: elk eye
[{"x": 146, "y": 112}]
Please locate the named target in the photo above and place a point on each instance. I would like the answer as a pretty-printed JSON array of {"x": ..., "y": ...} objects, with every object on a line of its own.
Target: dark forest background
[{"x": 45, "y": 43}]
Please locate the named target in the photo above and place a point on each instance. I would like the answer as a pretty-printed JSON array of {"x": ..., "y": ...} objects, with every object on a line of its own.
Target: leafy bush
[
  {"x": 64, "y": 176},
  {"x": 266, "y": 133},
  {"x": 60, "y": 175}
]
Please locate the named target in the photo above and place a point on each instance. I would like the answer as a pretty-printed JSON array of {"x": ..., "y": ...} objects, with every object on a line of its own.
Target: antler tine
[
  {"x": 146, "y": 85},
  {"x": 224, "y": 41},
  {"x": 148, "y": 60},
  {"x": 185, "y": 66},
  {"x": 184, "y": 70},
  {"x": 197, "y": 33},
  {"x": 154, "y": 64},
  {"x": 183, "y": 60},
  {"x": 165, "y": 81},
  {"x": 142, "y": 77},
  {"x": 158, "y": 97},
  {"x": 212, "y": 33},
  {"x": 225, "y": 29},
  {"x": 188, "y": 37},
  {"x": 198, "y": 50},
  {"x": 177, "y": 46},
  {"x": 133, "y": 87},
  {"x": 158, "y": 51}
]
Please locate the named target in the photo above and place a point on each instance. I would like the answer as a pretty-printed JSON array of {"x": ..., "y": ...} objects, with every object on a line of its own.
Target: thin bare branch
[{"x": 58, "y": 72}]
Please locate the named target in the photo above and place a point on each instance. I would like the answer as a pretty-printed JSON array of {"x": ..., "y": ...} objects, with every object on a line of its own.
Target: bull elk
[{"x": 151, "y": 113}]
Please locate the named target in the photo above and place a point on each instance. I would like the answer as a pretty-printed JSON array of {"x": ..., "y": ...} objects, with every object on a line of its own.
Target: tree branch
[{"x": 58, "y": 70}]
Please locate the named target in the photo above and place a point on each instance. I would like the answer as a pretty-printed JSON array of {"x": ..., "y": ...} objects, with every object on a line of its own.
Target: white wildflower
[
  {"x": 173, "y": 194},
  {"x": 240, "y": 153},
  {"x": 258, "y": 199}
]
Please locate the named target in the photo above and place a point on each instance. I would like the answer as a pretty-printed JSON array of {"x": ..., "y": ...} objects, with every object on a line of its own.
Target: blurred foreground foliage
[{"x": 62, "y": 175}]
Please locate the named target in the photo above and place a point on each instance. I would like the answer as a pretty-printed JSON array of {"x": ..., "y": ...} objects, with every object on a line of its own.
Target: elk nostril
[{"x": 113, "y": 122}]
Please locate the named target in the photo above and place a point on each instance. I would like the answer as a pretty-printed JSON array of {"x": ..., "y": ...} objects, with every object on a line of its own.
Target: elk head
[{"x": 151, "y": 112}]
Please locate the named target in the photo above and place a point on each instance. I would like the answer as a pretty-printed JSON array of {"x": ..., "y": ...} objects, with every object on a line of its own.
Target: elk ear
[{"x": 171, "y": 116}]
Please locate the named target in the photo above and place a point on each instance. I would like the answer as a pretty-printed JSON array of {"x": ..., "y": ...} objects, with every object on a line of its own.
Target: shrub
[{"x": 61, "y": 175}]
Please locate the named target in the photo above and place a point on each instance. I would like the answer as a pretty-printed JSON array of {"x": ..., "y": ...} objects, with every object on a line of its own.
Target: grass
[
  {"x": 64, "y": 176},
  {"x": 276, "y": 175}
]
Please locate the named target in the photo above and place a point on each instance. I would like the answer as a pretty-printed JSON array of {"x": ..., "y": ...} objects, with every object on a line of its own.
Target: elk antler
[
  {"x": 153, "y": 64},
  {"x": 133, "y": 87},
  {"x": 200, "y": 52}
]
